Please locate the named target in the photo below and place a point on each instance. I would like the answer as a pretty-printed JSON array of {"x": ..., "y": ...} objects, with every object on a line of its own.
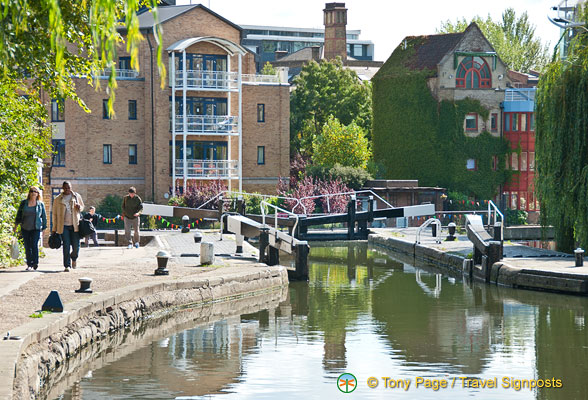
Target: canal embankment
[
  {"x": 125, "y": 291},
  {"x": 521, "y": 267}
]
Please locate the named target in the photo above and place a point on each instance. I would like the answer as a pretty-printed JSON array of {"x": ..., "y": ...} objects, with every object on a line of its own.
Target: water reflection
[{"x": 369, "y": 314}]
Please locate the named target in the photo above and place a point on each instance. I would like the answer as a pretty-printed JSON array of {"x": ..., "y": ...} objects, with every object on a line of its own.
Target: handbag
[
  {"x": 55, "y": 240},
  {"x": 14, "y": 249},
  {"x": 86, "y": 228}
]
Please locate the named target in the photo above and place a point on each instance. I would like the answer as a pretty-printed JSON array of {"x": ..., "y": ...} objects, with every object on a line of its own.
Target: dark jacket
[
  {"x": 94, "y": 218},
  {"x": 130, "y": 206},
  {"x": 40, "y": 214}
]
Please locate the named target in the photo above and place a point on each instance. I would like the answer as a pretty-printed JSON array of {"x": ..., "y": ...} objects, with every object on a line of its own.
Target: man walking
[
  {"x": 67, "y": 208},
  {"x": 132, "y": 206}
]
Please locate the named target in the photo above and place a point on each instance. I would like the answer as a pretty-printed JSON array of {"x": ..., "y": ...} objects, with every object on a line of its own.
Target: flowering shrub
[
  {"x": 333, "y": 204},
  {"x": 198, "y": 194}
]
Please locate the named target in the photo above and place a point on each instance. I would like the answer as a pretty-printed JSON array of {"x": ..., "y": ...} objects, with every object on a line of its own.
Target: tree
[
  {"x": 51, "y": 41},
  {"x": 268, "y": 69},
  {"x": 324, "y": 89},
  {"x": 561, "y": 147},
  {"x": 343, "y": 145},
  {"x": 513, "y": 39}
]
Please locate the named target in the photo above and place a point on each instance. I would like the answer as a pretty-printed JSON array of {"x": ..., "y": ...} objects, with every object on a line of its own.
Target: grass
[{"x": 39, "y": 314}]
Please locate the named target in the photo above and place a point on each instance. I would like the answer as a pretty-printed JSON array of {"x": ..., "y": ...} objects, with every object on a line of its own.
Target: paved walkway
[{"x": 23, "y": 292}]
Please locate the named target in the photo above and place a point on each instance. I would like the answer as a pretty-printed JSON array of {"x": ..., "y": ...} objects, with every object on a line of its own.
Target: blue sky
[{"x": 384, "y": 22}]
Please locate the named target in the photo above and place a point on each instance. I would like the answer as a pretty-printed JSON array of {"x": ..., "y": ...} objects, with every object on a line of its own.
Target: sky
[{"x": 384, "y": 22}]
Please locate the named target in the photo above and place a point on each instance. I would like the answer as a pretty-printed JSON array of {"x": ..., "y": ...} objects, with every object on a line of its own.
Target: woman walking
[
  {"x": 32, "y": 218},
  {"x": 66, "y": 217}
]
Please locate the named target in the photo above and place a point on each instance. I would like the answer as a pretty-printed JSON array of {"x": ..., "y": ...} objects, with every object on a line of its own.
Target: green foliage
[
  {"x": 561, "y": 147},
  {"x": 344, "y": 145},
  {"x": 253, "y": 203},
  {"x": 24, "y": 139},
  {"x": 110, "y": 207},
  {"x": 268, "y": 69},
  {"x": 177, "y": 201},
  {"x": 350, "y": 176},
  {"x": 513, "y": 39},
  {"x": 415, "y": 137},
  {"x": 516, "y": 217},
  {"x": 324, "y": 89}
]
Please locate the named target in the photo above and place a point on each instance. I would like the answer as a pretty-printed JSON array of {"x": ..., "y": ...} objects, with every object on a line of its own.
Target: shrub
[
  {"x": 7, "y": 215},
  {"x": 110, "y": 207},
  {"x": 353, "y": 177},
  {"x": 516, "y": 217},
  {"x": 199, "y": 194},
  {"x": 333, "y": 204},
  {"x": 346, "y": 145}
]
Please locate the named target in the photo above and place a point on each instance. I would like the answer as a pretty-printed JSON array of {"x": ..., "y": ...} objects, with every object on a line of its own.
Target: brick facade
[{"x": 86, "y": 133}]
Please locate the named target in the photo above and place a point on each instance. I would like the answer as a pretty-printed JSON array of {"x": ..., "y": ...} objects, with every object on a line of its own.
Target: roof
[
  {"x": 166, "y": 13},
  {"x": 230, "y": 47}
]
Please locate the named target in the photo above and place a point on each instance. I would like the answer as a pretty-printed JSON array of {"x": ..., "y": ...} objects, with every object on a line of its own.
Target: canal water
[{"x": 414, "y": 333}]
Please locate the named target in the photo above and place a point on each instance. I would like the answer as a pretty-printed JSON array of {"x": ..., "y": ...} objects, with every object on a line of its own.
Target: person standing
[
  {"x": 132, "y": 206},
  {"x": 94, "y": 218},
  {"x": 67, "y": 208},
  {"x": 32, "y": 218}
]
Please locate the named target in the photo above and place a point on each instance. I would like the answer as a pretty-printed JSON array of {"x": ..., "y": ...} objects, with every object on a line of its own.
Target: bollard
[
  {"x": 579, "y": 253},
  {"x": 185, "y": 224},
  {"x": 434, "y": 230},
  {"x": 198, "y": 237},
  {"x": 162, "y": 259},
  {"x": 263, "y": 244},
  {"x": 239, "y": 240},
  {"x": 206, "y": 253},
  {"x": 84, "y": 285},
  {"x": 451, "y": 229},
  {"x": 53, "y": 302}
]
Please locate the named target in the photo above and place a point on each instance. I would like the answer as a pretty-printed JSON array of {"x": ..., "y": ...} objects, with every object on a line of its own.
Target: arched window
[{"x": 473, "y": 73}]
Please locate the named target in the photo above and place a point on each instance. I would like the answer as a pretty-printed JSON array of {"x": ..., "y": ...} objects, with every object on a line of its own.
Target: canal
[{"x": 364, "y": 313}]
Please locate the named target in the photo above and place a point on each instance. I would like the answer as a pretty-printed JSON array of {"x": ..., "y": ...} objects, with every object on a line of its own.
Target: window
[
  {"x": 524, "y": 122},
  {"x": 471, "y": 164},
  {"x": 260, "y": 155},
  {"x": 471, "y": 122},
  {"x": 132, "y": 154},
  {"x": 531, "y": 201},
  {"x": 124, "y": 63},
  {"x": 105, "y": 109},
  {"x": 57, "y": 110},
  {"x": 532, "y": 122},
  {"x": 532, "y": 161},
  {"x": 514, "y": 161},
  {"x": 507, "y": 122},
  {"x": 58, "y": 152},
  {"x": 523, "y": 200},
  {"x": 132, "y": 109},
  {"x": 473, "y": 73},
  {"x": 261, "y": 113},
  {"x": 513, "y": 201},
  {"x": 107, "y": 154},
  {"x": 515, "y": 122},
  {"x": 523, "y": 162},
  {"x": 494, "y": 122}
]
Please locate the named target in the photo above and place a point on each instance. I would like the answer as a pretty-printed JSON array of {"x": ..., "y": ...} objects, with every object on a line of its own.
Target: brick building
[{"x": 229, "y": 124}]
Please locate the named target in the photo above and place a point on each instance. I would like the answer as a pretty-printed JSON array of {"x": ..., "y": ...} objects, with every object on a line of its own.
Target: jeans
[
  {"x": 31, "y": 244},
  {"x": 70, "y": 238},
  {"x": 134, "y": 225},
  {"x": 94, "y": 236}
]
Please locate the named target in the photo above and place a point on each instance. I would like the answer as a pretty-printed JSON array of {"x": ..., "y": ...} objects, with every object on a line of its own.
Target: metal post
[
  {"x": 240, "y": 124},
  {"x": 274, "y": 256},
  {"x": 302, "y": 260},
  {"x": 240, "y": 205},
  {"x": 239, "y": 240},
  {"x": 185, "y": 114},
  {"x": 263, "y": 244},
  {"x": 351, "y": 217},
  {"x": 579, "y": 254}
]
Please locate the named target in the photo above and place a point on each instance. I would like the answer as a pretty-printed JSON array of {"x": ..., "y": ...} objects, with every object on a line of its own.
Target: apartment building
[{"x": 214, "y": 118}]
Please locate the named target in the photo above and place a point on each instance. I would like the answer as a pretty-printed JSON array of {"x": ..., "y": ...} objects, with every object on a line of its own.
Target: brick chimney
[{"x": 335, "y": 31}]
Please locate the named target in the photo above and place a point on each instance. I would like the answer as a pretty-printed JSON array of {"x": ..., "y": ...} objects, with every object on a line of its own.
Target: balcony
[
  {"x": 225, "y": 125},
  {"x": 261, "y": 79},
  {"x": 519, "y": 100},
  {"x": 207, "y": 80},
  {"x": 120, "y": 74},
  {"x": 208, "y": 169}
]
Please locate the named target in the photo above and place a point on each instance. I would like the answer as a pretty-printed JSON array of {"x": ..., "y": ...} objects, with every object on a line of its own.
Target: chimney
[
  {"x": 335, "y": 15},
  {"x": 280, "y": 54}
]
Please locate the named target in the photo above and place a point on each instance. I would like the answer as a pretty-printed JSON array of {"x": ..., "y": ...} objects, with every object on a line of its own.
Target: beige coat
[{"x": 59, "y": 212}]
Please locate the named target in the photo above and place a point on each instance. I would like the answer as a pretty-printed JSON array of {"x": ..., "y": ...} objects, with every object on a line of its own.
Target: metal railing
[
  {"x": 427, "y": 223},
  {"x": 261, "y": 79},
  {"x": 208, "y": 168},
  {"x": 199, "y": 79},
  {"x": 522, "y": 94},
  {"x": 264, "y": 204},
  {"x": 330, "y": 195},
  {"x": 263, "y": 196},
  {"x": 120, "y": 73},
  {"x": 209, "y": 124},
  {"x": 496, "y": 213}
]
